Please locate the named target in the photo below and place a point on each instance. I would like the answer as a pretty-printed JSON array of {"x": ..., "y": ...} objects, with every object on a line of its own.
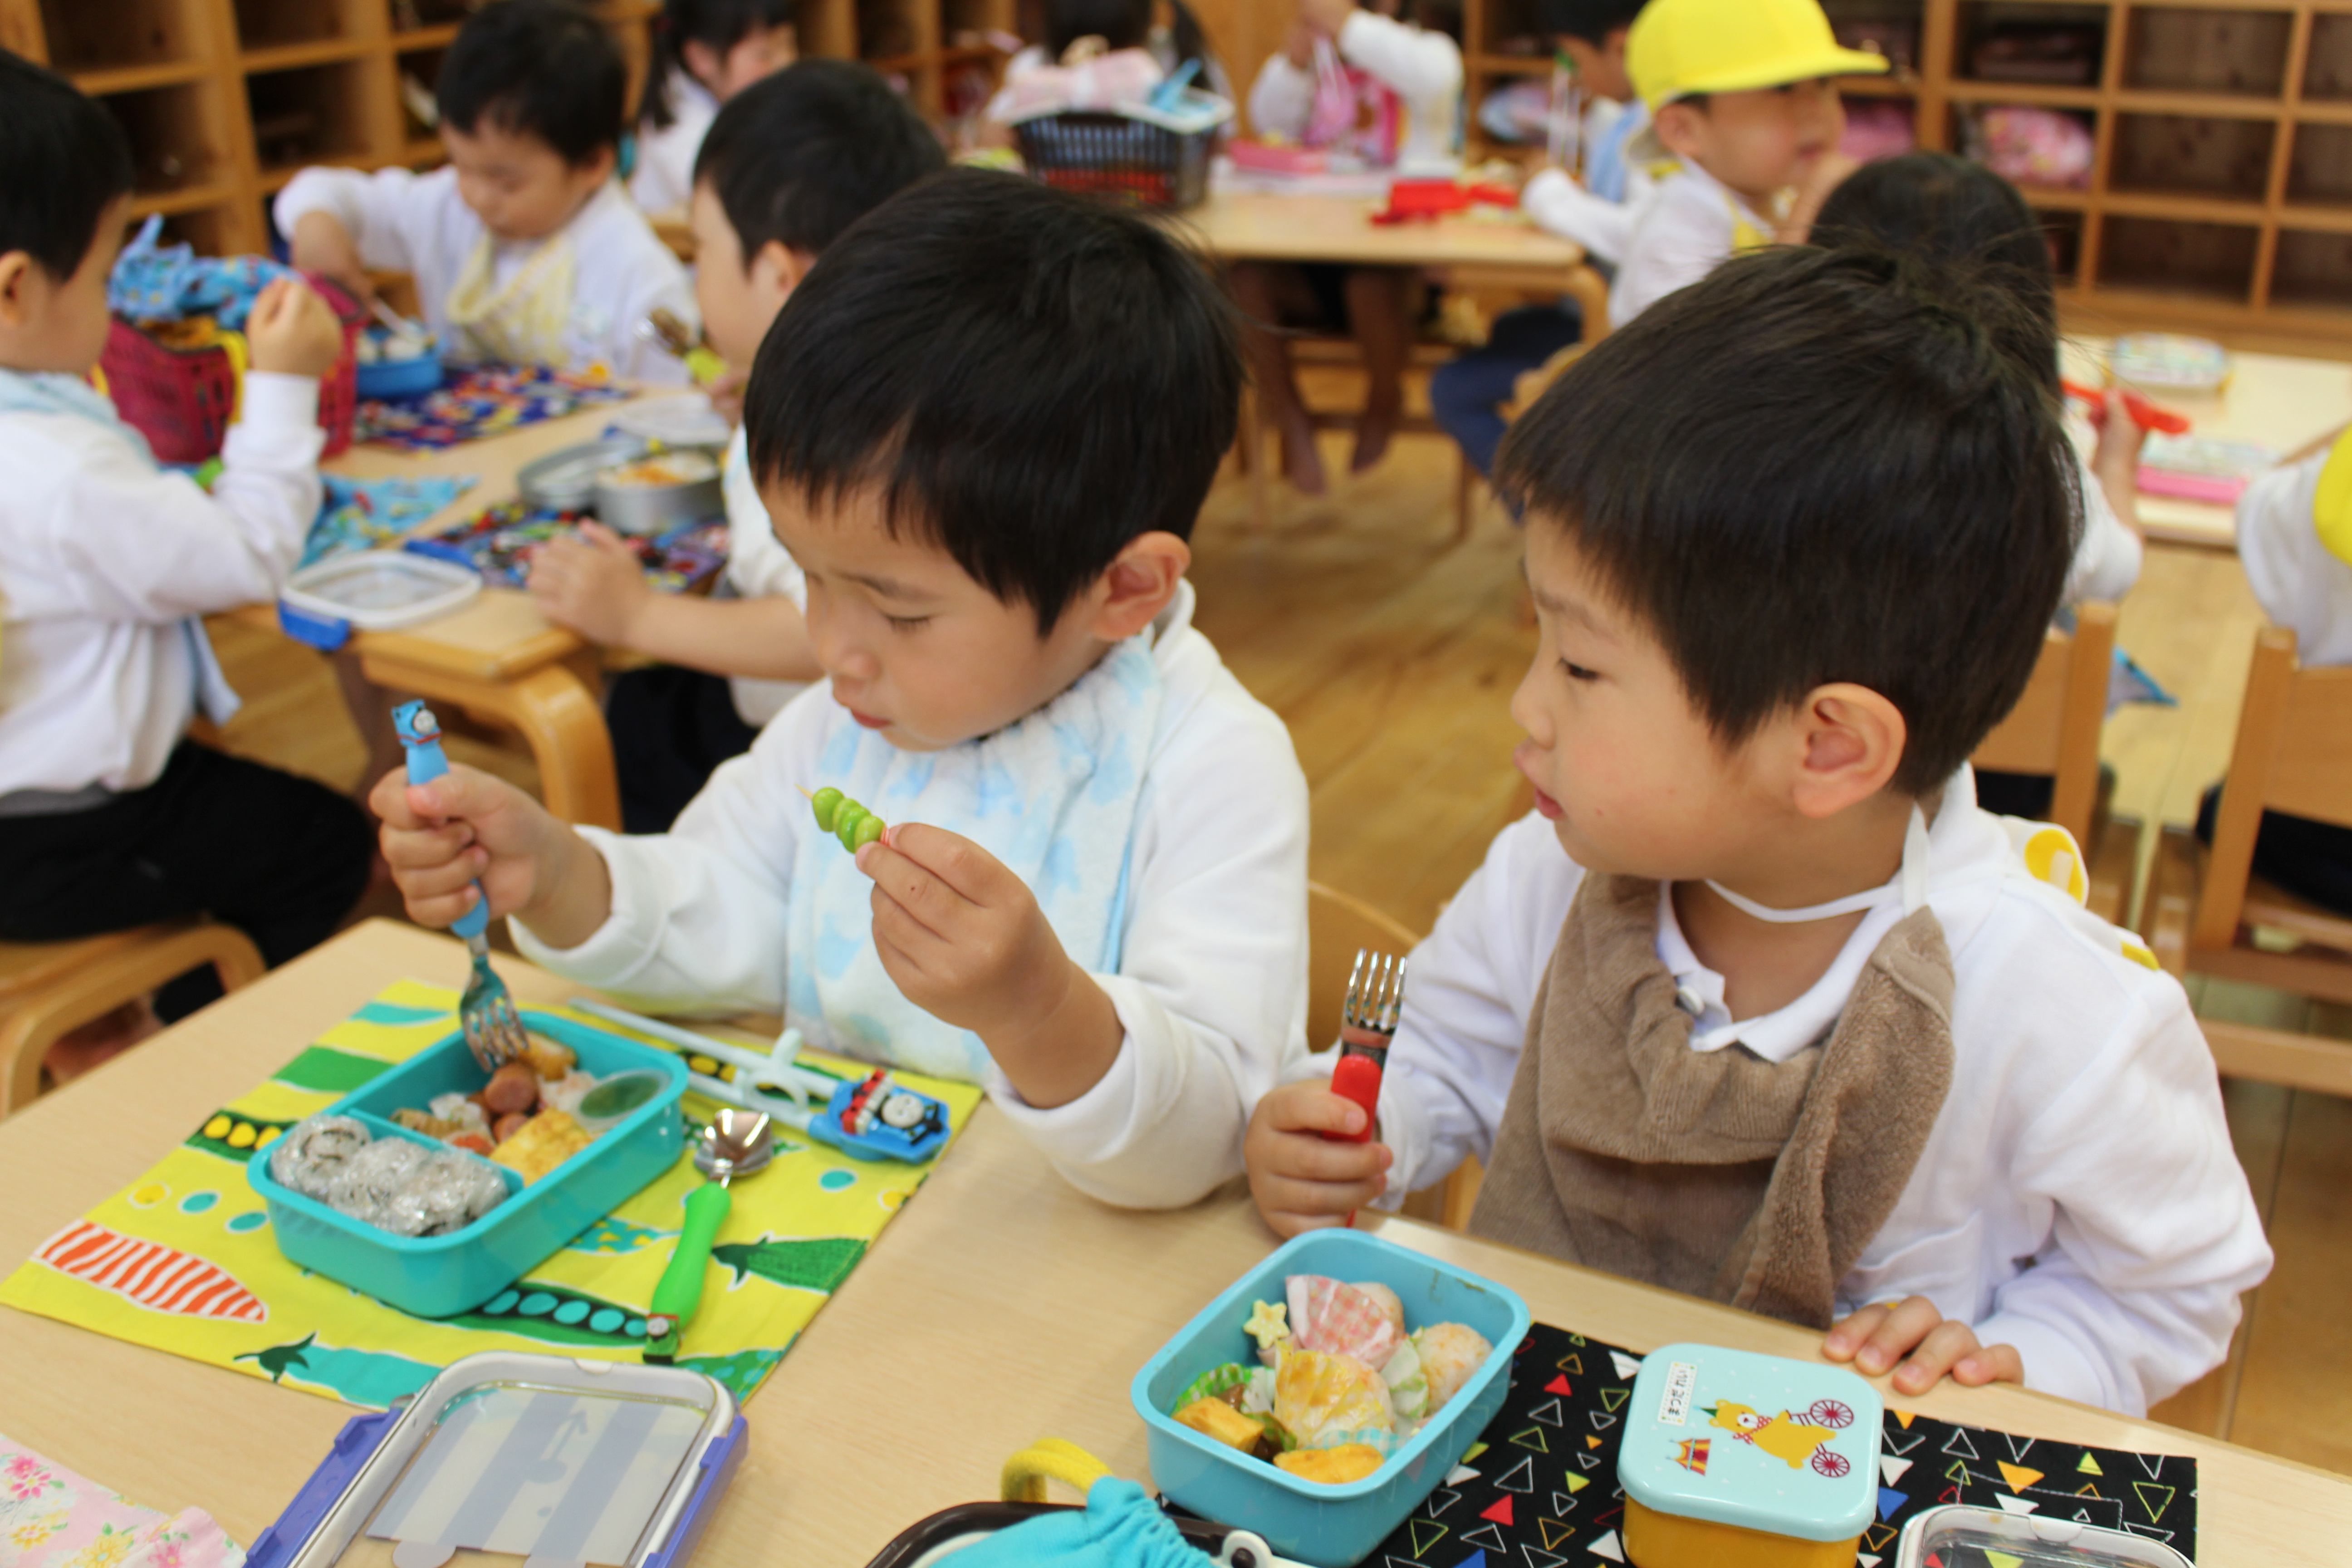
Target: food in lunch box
[
  {"x": 667, "y": 468},
  {"x": 846, "y": 820},
  {"x": 537, "y": 1146},
  {"x": 1343, "y": 1383},
  {"x": 394, "y": 1183}
]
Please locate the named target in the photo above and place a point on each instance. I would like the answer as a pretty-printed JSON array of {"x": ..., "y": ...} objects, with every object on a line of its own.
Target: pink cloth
[
  {"x": 1338, "y": 1320},
  {"x": 1106, "y": 81},
  {"x": 52, "y": 1518}
]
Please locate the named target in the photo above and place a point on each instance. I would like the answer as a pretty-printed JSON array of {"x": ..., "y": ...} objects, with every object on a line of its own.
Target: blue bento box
[
  {"x": 1327, "y": 1526},
  {"x": 437, "y": 1276}
]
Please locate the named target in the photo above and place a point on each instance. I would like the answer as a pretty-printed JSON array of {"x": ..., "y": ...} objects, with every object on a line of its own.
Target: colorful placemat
[
  {"x": 1540, "y": 1489},
  {"x": 182, "y": 1260},
  {"x": 52, "y": 1518},
  {"x": 500, "y": 541},
  {"x": 375, "y": 514},
  {"x": 480, "y": 401}
]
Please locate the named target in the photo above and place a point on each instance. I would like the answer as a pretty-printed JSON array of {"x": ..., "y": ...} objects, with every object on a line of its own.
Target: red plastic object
[
  {"x": 1409, "y": 199},
  {"x": 1358, "y": 1079},
  {"x": 2144, "y": 414},
  {"x": 180, "y": 399}
]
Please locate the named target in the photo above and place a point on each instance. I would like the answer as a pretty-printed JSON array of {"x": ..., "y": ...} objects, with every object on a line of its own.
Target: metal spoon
[{"x": 737, "y": 1143}]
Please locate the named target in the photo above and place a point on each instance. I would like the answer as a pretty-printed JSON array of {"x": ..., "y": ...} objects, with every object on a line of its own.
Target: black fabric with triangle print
[{"x": 1544, "y": 1491}]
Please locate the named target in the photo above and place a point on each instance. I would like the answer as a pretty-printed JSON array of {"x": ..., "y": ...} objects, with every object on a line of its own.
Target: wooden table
[
  {"x": 497, "y": 655},
  {"x": 999, "y": 1307},
  {"x": 2289, "y": 404}
]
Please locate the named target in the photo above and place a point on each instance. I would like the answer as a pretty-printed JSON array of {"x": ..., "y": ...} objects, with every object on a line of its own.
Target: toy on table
[
  {"x": 2202, "y": 468},
  {"x": 1413, "y": 199},
  {"x": 614, "y": 1464},
  {"x": 485, "y": 1011},
  {"x": 2144, "y": 414},
  {"x": 1734, "y": 1456},
  {"x": 501, "y": 541},
  {"x": 1342, "y": 1382},
  {"x": 846, "y": 820},
  {"x": 874, "y": 1118},
  {"x": 2169, "y": 361}
]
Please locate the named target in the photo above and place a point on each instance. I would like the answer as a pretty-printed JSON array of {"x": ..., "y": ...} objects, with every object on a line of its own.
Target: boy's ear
[
  {"x": 777, "y": 269},
  {"x": 598, "y": 166},
  {"x": 1681, "y": 129},
  {"x": 16, "y": 282},
  {"x": 1138, "y": 585},
  {"x": 1850, "y": 743}
]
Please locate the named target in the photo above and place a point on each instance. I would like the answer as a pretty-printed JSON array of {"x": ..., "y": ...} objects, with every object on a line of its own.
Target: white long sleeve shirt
[
  {"x": 2297, "y": 580},
  {"x": 1212, "y": 983},
  {"x": 1685, "y": 230},
  {"x": 1424, "y": 68},
  {"x": 105, "y": 556},
  {"x": 1603, "y": 226},
  {"x": 663, "y": 181},
  {"x": 2078, "y": 1196},
  {"x": 418, "y": 224},
  {"x": 758, "y": 567}
]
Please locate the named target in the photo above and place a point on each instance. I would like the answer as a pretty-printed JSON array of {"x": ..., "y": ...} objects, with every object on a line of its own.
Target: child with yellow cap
[
  {"x": 2294, "y": 539},
  {"x": 1742, "y": 100}
]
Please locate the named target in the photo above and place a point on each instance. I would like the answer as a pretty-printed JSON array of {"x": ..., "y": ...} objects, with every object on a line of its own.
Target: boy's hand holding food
[
  {"x": 1301, "y": 1180},
  {"x": 466, "y": 827}
]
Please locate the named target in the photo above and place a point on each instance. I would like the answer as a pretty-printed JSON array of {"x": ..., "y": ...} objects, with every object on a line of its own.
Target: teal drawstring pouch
[{"x": 1120, "y": 1527}]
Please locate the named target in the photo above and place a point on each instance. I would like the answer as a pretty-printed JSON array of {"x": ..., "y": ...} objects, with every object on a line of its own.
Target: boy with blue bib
[
  {"x": 982, "y": 427},
  {"x": 1758, "y": 1005}
]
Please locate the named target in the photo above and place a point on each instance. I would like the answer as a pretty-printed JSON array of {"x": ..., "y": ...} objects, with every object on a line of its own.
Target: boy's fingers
[
  {"x": 961, "y": 865},
  {"x": 440, "y": 910},
  {"x": 913, "y": 887},
  {"x": 442, "y": 878},
  {"x": 898, "y": 934},
  {"x": 1317, "y": 1110},
  {"x": 1336, "y": 1199},
  {"x": 1993, "y": 1364},
  {"x": 1901, "y": 1330},
  {"x": 1946, "y": 1343},
  {"x": 389, "y": 801},
  {"x": 415, "y": 848},
  {"x": 1319, "y": 1160}
]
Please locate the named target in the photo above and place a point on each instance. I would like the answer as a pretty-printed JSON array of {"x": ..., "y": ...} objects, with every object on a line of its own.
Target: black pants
[
  {"x": 279, "y": 857},
  {"x": 2311, "y": 859},
  {"x": 671, "y": 728}
]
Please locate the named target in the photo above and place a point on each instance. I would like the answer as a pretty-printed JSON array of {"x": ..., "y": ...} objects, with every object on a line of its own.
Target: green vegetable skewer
[{"x": 846, "y": 820}]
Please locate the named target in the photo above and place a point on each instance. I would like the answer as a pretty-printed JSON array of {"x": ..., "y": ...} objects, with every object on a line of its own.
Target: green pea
[
  {"x": 824, "y": 802},
  {"x": 846, "y": 821},
  {"x": 869, "y": 828}
]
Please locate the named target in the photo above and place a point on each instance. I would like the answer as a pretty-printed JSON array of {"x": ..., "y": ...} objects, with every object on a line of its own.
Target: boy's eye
[
  {"x": 1578, "y": 671},
  {"x": 907, "y": 623}
]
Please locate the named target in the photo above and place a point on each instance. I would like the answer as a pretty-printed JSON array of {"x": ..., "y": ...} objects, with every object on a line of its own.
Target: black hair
[
  {"x": 63, "y": 159},
  {"x": 1123, "y": 24},
  {"x": 800, "y": 157},
  {"x": 1032, "y": 379},
  {"x": 1590, "y": 20},
  {"x": 1819, "y": 466},
  {"x": 1948, "y": 209},
  {"x": 718, "y": 24},
  {"x": 538, "y": 67}
]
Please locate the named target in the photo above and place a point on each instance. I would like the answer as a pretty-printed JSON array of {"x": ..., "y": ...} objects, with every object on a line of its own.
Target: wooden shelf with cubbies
[{"x": 2218, "y": 193}]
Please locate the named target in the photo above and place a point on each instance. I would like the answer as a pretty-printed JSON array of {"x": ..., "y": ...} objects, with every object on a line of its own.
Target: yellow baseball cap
[{"x": 1678, "y": 48}]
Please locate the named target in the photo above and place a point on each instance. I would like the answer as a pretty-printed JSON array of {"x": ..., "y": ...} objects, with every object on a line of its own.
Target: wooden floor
[{"x": 1392, "y": 653}]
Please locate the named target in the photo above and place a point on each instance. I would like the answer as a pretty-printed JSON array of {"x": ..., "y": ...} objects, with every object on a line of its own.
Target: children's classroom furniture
[
  {"x": 1491, "y": 253},
  {"x": 49, "y": 989},
  {"x": 1337, "y": 924},
  {"x": 2054, "y": 730},
  {"x": 496, "y": 655},
  {"x": 2294, "y": 753},
  {"x": 226, "y": 99},
  {"x": 1050, "y": 1301}
]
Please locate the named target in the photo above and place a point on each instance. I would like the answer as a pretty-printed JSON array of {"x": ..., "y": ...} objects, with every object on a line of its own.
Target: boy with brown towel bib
[{"x": 1760, "y": 1005}]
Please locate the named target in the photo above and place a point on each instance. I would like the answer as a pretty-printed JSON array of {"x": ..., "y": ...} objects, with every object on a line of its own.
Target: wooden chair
[
  {"x": 2054, "y": 730},
  {"x": 1337, "y": 925},
  {"x": 2293, "y": 754},
  {"x": 49, "y": 989},
  {"x": 1261, "y": 446}
]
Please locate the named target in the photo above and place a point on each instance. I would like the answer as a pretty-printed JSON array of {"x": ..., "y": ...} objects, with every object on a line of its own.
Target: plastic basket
[
  {"x": 183, "y": 400},
  {"x": 1138, "y": 157}
]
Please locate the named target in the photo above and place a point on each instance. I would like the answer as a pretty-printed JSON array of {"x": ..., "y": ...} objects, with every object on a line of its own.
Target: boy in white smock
[
  {"x": 982, "y": 425},
  {"x": 1758, "y": 1005},
  {"x": 524, "y": 249}
]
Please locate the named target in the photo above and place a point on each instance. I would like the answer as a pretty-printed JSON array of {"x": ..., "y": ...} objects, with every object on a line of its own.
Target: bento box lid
[{"x": 1733, "y": 1438}]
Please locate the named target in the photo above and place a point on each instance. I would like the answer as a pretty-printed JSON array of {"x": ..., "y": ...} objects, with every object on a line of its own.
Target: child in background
[
  {"x": 524, "y": 249},
  {"x": 1741, "y": 94},
  {"x": 1759, "y": 1004},
  {"x": 1097, "y": 54},
  {"x": 1385, "y": 70},
  {"x": 2295, "y": 540},
  {"x": 1949, "y": 209},
  {"x": 705, "y": 52},
  {"x": 789, "y": 162},
  {"x": 983, "y": 426},
  {"x": 1467, "y": 395},
  {"x": 110, "y": 817}
]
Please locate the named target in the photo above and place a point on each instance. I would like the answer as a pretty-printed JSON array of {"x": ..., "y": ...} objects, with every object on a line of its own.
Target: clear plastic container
[{"x": 1959, "y": 1536}]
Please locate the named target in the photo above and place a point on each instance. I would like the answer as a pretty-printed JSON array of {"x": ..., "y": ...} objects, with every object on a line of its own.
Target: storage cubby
[
  {"x": 2059, "y": 157},
  {"x": 2202, "y": 155},
  {"x": 2313, "y": 270},
  {"x": 2319, "y": 165},
  {"x": 2327, "y": 73},
  {"x": 1889, "y": 28},
  {"x": 2231, "y": 51},
  {"x": 276, "y": 24},
  {"x": 83, "y": 36},
  {"x": 2175, "y": 255},
  {"x": 2042, "y": 46},
  {"x": 2064, "y": 229},
  {"x": 205, "y": 229},
  {"x": 315, "y": 115},
  {"x": 174, "y": 142},
  {"x": 416, "y": 73}
]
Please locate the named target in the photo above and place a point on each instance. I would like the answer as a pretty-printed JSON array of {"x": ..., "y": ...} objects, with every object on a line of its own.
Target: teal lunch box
[
  {"x": 436, "y": 1276},
  {"x": 1327, "y": 1526}
]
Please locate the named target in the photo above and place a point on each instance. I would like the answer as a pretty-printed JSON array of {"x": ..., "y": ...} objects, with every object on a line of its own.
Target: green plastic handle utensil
[{"x": 737, "y": 1142}]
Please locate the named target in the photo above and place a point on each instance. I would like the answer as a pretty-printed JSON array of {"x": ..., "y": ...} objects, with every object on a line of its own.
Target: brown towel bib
[{"x": 1716, "y": 1173}]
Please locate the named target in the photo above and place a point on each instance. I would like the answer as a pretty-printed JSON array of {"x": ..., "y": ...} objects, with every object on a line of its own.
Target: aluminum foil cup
[
  {"x": 565, "y": 480},
  {"x": 654, "y": 494}
]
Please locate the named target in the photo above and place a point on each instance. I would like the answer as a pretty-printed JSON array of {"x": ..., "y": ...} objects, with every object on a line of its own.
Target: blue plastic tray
[
  {"x": 434, "y": 1276},
  {"x": 1330, "y": 1527},
  {"x": 388, "y": 381}
]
